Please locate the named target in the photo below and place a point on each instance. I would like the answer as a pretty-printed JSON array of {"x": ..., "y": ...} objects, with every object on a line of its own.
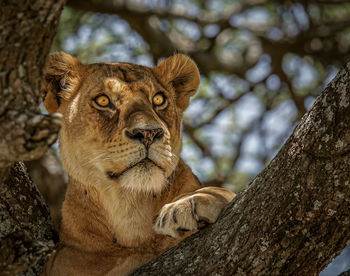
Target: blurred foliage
[{"x": 262, "y": 64}]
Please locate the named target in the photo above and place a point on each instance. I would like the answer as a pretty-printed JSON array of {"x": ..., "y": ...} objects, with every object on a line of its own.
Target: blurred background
[{"x": 262, "y": 65}]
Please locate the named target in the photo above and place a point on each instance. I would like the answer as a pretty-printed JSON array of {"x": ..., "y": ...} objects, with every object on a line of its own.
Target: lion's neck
[
  {"x": 130, "y": 214},
  {"x": 95, "y": 216},
  {"x": 85, "y": 222}
]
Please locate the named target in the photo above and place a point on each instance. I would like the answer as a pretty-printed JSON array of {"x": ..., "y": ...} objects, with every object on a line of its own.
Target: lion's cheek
[{"x": 176, "y": 145}]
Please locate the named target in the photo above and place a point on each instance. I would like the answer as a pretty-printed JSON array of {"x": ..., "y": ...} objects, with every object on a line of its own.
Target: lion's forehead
[
  {"x": 119, "y": 78},
  {"x": 126, "y": 72}
]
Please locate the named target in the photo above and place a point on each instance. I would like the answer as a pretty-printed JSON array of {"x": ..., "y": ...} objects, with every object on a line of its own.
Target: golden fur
[{"x": 130, "y": 196}]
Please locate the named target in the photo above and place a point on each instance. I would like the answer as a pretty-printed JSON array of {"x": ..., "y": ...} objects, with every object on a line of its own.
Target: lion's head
[{"x": 121, "y": 122}]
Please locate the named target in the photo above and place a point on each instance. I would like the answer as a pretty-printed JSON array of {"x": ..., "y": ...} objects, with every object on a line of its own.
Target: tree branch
[
  {"x": 25, "y": 133},
  {"x": 27, "y": 29},
  {"x": 26, "y": 230}
]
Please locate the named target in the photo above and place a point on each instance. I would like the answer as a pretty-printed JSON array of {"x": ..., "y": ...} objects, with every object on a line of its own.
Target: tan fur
[{"x": 127, "y": 200}]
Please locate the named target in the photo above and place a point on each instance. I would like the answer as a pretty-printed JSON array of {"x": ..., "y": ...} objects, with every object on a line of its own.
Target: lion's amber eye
[
  {"x": 102, "y": 100},
  {"x": 158, "y": 99}
]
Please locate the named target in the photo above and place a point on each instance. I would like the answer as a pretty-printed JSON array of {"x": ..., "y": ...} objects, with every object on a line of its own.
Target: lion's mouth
[{"x": 144, "y": 162}]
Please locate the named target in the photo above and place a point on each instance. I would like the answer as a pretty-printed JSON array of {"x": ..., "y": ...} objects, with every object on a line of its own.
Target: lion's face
[{"x": 121, "y": 122}]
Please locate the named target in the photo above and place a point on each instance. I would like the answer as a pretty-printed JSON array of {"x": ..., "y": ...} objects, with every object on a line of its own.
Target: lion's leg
[{"x": 187, "y": 211}]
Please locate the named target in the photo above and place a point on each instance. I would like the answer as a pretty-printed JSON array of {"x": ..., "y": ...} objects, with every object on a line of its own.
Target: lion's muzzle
[{"x": 146, "y": 135}]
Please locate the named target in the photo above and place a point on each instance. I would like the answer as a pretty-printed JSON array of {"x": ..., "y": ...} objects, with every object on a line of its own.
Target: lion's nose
[{"x": 145, "y": 136}]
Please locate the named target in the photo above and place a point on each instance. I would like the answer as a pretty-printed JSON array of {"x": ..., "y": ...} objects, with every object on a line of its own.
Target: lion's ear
[
  {"x": 182, "y": 74},
  {"x": 61, "y": 80}
]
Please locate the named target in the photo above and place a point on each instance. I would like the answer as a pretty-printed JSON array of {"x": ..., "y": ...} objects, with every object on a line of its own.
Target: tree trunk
[
  {"x": 294, "y": 217},
  {"x": 26, "y": 32},
  {"x": 26, "y": 230}
]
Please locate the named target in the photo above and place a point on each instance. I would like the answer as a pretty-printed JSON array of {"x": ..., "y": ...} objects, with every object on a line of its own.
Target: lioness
[{"x": 130, "y": 196}]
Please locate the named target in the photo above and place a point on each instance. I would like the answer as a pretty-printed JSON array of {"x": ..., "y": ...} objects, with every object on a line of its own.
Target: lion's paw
[{"x": 185, "y": 214}]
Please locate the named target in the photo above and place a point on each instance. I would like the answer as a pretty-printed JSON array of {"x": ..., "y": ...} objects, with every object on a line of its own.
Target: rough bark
[
  {"x": 346, "y": 273},
  {"x": 294, "y": 217},
  {"x": 26, "y": 31},
  {"x": 26, "y": 235},
  {"x": 26, "y": 232}
]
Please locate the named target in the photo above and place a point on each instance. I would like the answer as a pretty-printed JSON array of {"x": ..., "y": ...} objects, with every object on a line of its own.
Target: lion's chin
[{"x": 144, "y": 178}]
